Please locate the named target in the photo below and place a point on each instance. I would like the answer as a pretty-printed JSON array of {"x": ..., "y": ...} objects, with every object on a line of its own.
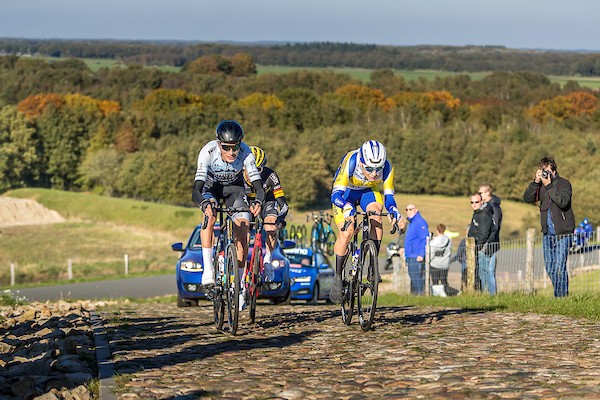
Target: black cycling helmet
[{"x": 229, "y": 131}]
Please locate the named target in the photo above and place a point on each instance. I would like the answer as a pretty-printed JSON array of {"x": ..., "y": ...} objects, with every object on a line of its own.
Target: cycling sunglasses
[
  {"x": 230, "y": 147},
  {"x": 373, "y": 169}
]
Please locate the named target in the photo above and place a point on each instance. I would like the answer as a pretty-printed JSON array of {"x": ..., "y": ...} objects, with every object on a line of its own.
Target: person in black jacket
[
  {"x": 557, "y": 219},
  {"x": 493, "y": 201},
  {"x": 481, "y": 229}
]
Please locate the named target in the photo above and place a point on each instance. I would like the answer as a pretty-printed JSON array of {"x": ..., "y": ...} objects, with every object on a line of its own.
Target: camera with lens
[{"x": 545, "y": 174}]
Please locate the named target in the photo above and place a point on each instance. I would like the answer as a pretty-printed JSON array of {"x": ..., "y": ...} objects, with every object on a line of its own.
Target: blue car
[
  {"x": 189, "y": 269},
  {"x": 311, "y": 272},
  {"x": 190, "y": 266}
]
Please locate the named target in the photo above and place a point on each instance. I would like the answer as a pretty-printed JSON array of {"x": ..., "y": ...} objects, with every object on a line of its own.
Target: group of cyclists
[{"x": 231, "y": 172}]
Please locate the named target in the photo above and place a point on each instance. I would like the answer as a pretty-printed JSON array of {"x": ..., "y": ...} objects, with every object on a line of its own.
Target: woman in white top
[{"x": 440, "y": 247}]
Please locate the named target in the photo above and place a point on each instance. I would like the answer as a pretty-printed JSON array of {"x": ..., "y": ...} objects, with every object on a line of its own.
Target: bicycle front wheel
[
  {"x": 368, "y": 283},
  {"x": 254, "y": 280},
  {"x": 218, "y": 291},
  {"x": 232, "y": 287}
]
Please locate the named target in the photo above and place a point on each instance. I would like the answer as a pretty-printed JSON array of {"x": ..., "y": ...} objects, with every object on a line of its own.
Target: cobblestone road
[{"x": 305, "y": 352}]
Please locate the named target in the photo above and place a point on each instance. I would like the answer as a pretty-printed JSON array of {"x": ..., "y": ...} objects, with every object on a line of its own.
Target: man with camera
[{"x": 556, "y": 217}]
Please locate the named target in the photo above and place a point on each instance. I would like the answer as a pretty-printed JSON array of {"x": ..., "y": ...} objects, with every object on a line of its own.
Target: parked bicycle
[
  {"x": 322, "y": 235},
  {"x": 360, "y": 274},
  {"x": 226, "y": 291},
  {"x": 298, "y": 234}
]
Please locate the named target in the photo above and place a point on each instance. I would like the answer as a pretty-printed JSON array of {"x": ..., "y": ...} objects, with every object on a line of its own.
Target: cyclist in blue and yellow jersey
[
  {"x": 275, "y": 207},
  {"x": 356, "y": 182}
]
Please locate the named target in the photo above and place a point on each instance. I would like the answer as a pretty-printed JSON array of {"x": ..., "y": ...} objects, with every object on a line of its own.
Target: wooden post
[
  {"x": 471, "y": 264},
  {"x": 126, "y": 264},
  {"x": 529, "y": 284},
  {"x": 69, "y": 269},
  {"x": 12, "y": 274}
]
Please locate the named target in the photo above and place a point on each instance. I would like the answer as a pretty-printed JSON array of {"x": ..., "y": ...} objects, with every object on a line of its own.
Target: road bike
[
  {"x": 254, "y": 271},
  {"x": 226, "y": 292},
  {"x": 322, "y": 235},
  {"x": 360, "y": 273}
]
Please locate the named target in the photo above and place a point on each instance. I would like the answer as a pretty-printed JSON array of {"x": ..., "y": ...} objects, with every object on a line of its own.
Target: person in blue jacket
[{"x": 415, "y": 243}]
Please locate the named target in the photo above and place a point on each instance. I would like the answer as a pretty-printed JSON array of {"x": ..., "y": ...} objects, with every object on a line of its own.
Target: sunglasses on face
[
  {"x": 373, "y": 169},
  {"x": 475, "y": 202},
  {"x": 409, "y": 209},
  {"x": 230, "y": 147}
]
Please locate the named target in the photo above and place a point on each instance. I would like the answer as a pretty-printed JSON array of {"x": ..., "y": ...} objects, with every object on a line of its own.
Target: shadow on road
[{"x": 397, "y": 315}]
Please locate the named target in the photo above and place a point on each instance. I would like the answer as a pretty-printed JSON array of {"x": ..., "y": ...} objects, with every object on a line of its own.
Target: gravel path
[{"x": 305, "y": 352}]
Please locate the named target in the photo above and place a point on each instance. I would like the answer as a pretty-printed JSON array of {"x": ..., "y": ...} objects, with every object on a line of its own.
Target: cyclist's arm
[
  {"x": 201, "y": 174},
  {"x": 340, "y": 183},
  {"x": 259, "y": 190},
  {"x": 274, "y": 183}
]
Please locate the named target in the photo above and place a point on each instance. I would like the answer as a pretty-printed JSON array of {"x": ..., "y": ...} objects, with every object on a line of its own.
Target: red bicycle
[{"x": 254, "y": 270}]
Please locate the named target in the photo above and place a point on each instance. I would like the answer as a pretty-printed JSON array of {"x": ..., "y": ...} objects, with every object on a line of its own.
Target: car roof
[{"x": 303, "y": 251}]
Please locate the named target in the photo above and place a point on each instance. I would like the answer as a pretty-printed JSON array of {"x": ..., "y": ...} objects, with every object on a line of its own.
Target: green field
[
  {"x": 100, "y": 230},
  {"x": 362, "y": 74}
]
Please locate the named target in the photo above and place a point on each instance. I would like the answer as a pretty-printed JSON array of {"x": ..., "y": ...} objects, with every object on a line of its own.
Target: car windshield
[
  {"x": 300, "y": 259},
  {"x": 195, "y": 243}
]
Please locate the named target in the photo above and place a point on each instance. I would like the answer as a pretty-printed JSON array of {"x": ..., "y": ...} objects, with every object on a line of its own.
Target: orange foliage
[
  {"x": 35, "y": 105},
  {"x": 560, "y": 108},
  {"x": 364, "y": 97}
]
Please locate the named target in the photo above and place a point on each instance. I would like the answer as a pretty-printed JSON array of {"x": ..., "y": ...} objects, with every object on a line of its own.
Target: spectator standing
[
  {"x": 481, "y": 229},
  {"x": 415, "y": 243},
  {"x": 440, "y": 247},
  {"x": 461, "y": 257},
  {"x": 554, "y": 194},
  {"x": 493, "y": 201}
]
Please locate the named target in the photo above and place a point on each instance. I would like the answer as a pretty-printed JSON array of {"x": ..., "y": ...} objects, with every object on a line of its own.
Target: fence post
[
  {"x": 69, "y": 269},
  {"x": 471, "y": 264},
  {"x": 529, "y": 262},
  {"x": 126, "y": 264},
  {"x": 12, "y": 274}
]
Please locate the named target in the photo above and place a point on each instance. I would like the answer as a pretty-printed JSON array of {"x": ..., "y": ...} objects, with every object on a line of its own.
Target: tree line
[
  {"x": 136, "y": 132},
  {"x": 320, "y": 54}
]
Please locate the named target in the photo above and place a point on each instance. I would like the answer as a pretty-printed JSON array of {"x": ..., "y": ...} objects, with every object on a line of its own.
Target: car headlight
[
  {"x": 191, "y": 266},
  {"x": 303, "y": 279},
  {"x": 276, "y": 263}
]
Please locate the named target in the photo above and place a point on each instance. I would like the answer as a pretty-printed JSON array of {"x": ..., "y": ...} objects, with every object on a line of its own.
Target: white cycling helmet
[{"x": 372, "y": 154}]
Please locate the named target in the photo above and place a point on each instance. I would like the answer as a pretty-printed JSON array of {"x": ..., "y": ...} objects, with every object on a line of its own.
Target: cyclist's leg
[
  {"x": 269, "y": 214},
  {"x": 340, "y": 247},
  {"x": 372, "y": 200},
  {"x": 207, "y": 237}
]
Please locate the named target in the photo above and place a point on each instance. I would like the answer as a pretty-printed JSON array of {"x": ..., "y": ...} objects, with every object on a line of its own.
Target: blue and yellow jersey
[{"x": 349, "y": 176}]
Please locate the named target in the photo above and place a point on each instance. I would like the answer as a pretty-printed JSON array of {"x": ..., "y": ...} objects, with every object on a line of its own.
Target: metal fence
[{"x": 520, "y": 267}]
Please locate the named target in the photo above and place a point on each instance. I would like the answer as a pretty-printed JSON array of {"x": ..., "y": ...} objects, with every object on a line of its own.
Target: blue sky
[{"x": 545, "y": 24}]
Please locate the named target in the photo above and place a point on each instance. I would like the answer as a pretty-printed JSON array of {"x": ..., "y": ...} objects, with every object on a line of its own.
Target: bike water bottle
[{"x": 221, "y": 263}]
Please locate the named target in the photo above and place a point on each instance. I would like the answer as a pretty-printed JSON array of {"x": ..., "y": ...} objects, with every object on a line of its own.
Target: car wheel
[
  {"x": 181, "y": 302},
  {"x": 315, "y": 298}
]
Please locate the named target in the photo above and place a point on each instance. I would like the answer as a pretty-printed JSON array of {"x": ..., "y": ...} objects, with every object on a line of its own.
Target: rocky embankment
[{"x": 47, "y": 351}]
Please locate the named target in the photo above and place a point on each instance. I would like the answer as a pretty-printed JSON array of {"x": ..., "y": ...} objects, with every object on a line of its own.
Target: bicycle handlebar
[
  {"x": 368, "y": 214},
  {"x": 229, "y": 210}
]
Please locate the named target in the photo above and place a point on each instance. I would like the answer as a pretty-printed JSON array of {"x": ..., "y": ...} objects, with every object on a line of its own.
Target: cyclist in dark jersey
[
  {"x": 219, "y": 177},
  {"x": 275, "y": 207}
]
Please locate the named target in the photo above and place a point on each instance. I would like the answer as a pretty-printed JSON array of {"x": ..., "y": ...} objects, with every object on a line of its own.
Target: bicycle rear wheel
[
  {"x": 330, "y": 242},
  {"x": 368, "y": 283},
  {"x": 254, "y": 280},
  {"x": 219, "y": 289},
  {"x": 349, "y": 287},
  {"x": 232, "y": 288}
]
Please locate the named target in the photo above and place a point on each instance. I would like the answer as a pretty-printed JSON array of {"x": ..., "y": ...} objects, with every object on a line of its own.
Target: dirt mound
[{"x": 25, "y": 212}]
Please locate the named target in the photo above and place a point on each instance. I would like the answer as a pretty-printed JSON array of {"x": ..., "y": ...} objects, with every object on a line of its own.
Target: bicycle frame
[
  {"x": 252, "y": 278},
  {"x": 361, "y": 279},
  {"x": 227, "y": 280}
]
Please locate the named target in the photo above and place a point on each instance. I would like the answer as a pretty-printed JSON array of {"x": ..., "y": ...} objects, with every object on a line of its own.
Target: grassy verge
[{"x": 579, "y": 305}]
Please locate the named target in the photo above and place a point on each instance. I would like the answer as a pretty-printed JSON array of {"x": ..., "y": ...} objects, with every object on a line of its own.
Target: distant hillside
[{"x": 320, "y": 54}]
